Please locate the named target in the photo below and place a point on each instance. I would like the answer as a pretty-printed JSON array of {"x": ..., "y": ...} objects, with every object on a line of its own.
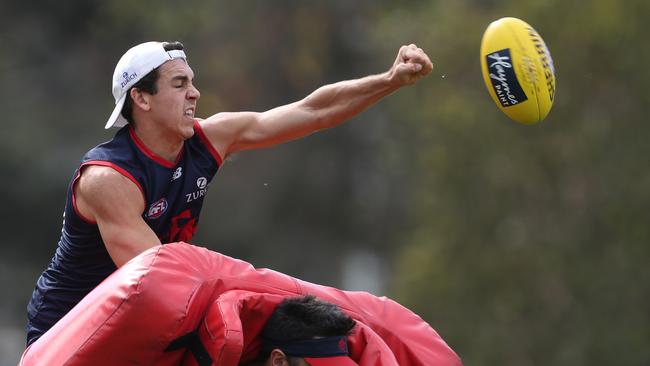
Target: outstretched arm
[{"x": 328, "y": 106}]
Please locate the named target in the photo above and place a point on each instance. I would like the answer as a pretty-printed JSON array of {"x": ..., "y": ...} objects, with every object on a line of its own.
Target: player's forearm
[
  {"x": 125, "y": 242},
  {"x": 335, "y": 103},
  {"x": 124, "y": 232}
]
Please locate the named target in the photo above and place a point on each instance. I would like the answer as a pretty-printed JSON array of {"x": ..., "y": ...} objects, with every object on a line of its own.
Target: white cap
[{"x": 133, "y": 66}]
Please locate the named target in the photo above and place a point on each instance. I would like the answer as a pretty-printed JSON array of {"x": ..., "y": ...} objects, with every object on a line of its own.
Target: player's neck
[{"x": 159, "y": 141}]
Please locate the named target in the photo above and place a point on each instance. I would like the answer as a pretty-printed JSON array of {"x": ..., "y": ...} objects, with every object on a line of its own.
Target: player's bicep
[
  {"x": 232, "y": 132},
  {"x": 225, "y": 130},
  {"x": 116, "y": 204}
]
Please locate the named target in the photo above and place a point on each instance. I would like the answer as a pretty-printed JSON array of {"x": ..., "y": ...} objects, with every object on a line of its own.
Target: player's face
[{"x": 174, "y": 104}]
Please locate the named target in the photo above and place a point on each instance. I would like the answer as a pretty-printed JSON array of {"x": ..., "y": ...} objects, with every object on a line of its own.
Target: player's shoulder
[
  {"x": 117, "y": 146},
  {"x": 99, "y": 179},
  {"x": 99, "y": 172}
]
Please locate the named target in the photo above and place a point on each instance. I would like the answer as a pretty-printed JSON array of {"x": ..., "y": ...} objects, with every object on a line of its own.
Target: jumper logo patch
[
  {"x": 202, "y": 183},
  {"x": 177, "y": 173},
  {"x": 157, "y": 209},
  {"x": 503, "y": 78}
]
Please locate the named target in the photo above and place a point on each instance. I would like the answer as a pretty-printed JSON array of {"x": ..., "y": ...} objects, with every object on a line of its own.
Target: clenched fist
[{"x": 411, "y": 64}]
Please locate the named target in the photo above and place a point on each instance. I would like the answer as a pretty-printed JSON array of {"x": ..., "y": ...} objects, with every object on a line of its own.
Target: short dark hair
[
  {"x": 147, "y": 84},
  {"x": 306, "y": 317}
]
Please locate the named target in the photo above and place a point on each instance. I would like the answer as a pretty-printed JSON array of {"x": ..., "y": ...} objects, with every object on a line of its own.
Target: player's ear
[
  {"x": 140, "y": 99},
  {"x": 277, "y": 358}
]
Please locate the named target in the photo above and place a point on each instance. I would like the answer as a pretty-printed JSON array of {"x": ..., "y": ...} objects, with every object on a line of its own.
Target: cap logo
[{"x": 127, "y": 78}]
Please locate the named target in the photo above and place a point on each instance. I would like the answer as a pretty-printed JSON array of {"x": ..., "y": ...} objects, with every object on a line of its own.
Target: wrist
[{"x": 390, "y": 80}]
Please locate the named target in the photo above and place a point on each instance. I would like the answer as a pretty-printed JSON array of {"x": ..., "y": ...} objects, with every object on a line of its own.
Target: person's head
[
  {"x": 153, "y": 79},
  {"x": 306, "y": 331}
]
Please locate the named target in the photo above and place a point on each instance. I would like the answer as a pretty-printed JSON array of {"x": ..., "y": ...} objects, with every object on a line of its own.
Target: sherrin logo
[
  {"x": 127, "y": 77},
  {"x": 545, "y": 58},
  {"x": 157, "y": 209},
  {"x": 503, "y": 78}
]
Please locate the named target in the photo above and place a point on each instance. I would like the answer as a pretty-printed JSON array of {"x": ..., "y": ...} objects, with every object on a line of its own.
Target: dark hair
[
  {"x": 306, "y": 317},
  {"x": 147, "y": 84}
]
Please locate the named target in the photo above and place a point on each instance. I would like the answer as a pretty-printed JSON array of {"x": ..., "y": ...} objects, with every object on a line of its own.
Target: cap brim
[
  {"x": 116, "y": 119},
  {"x": 331, "y": 361}
]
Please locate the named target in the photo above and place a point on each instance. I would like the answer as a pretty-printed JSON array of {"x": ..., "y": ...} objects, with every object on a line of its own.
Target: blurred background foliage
[{"x": 521, "y": 245}]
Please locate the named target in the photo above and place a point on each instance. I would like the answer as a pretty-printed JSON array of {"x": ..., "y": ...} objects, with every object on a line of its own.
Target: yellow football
[{"x": 518, "y": 70}]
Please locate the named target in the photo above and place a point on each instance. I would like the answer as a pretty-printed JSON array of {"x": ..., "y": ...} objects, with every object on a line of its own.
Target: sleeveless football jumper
[{"x": 173, "y": 193}]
